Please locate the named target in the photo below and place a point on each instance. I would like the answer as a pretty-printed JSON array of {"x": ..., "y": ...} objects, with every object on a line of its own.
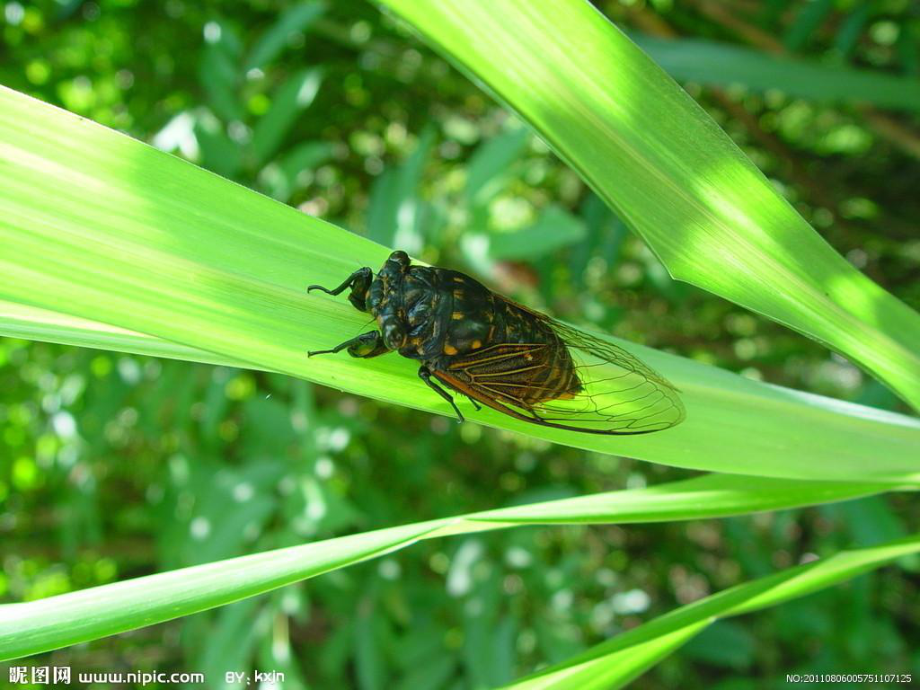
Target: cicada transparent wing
[
  {"x": 620, "y": 394},
  {"x": 579, "y": 383}
]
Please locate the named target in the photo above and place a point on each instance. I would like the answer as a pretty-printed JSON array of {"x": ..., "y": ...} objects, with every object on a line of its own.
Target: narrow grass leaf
[
  {"x": 89, "y": 614},
  {"x": 670, "y": 173},
  {"x": 30, "y": 323},
  {"x": 712, "y": 495},
  {"x": 292, "y": 97},
  {"x": 614, "y": 670},
  {"x": 100, "y": 227},
  {"x": 33, "y": 627},
  {"x": 289, "y": 24},
  {"x": 607, "y": 665},
  {"x": 720, "y": 64}
]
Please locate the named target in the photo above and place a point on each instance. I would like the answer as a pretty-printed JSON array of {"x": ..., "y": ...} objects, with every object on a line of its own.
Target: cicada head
[
  {"x": 385, "y": 299},
  {"x": 387, "y": 283}
]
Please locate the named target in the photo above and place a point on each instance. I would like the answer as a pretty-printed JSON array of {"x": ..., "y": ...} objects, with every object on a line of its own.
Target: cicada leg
[
  {"x": 359, "y": 282},
  {"x": 365, "y": 346},
  {"x": 424, "y": 373},
  {"x": 476, "y": 405}
]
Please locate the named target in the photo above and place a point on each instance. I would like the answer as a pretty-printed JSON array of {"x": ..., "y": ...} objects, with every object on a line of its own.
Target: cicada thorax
[
  {"x": 455, "y": 324},
  {"x": 523, "y": 362},
  {"x": 509, "y": 351}
]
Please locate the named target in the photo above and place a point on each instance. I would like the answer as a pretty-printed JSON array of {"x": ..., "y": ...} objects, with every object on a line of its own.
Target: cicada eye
[
  {"x": 394, "y": 335},
  {"x": 400, "y": 258}
]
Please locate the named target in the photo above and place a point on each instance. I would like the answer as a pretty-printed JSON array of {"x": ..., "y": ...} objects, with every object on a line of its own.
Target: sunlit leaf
[
  {"x": 144, "y": 241},
  {"x": 670, "y": 173}
]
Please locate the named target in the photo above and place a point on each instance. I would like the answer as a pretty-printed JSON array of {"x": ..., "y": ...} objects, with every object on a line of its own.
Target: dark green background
[{"x": 114, "y": 466}]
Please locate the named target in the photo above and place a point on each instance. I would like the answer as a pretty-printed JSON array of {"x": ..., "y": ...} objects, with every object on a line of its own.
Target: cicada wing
[
  {"x": 619, "y": 394},
  {"x": 519, "y": 374},
  {"x": 512, "y": 377},
  {"x": 619, "y": 391},
  {"x": 605, "y": 351},
  {"x": 585, "y": 386},
  {"x": 471, "y": 390}
]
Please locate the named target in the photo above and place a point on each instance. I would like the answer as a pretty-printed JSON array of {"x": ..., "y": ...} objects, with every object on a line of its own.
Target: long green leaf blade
[
  {"x": 101, "y": 227},
  {"x": 616, "y": 669},
  {"x": 712, "y": 218},
  {"x": 719, "y": 64},
  {"x": 89, "y": 614},
  {"x": 33, "y": 627},
  {"x": 607, "y": 665},
  {"x": 32, "y": 323}
]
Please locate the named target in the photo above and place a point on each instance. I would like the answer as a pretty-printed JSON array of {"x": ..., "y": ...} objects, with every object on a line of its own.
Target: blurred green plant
[{"x": 715, "y": 64}]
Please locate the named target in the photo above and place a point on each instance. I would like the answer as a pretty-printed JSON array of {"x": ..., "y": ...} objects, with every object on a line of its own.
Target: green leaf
[
  {"x": 31, "y": 323},
  {"x": 55, "y": 622},
  {"x": 92, "y": 613},
  {"x": 489, "y": 165},
  {"x": 724, "y": 643},
  {"x": 612, "y": 664},
  {"x": 292, "y": 97},
  {"x": 714, "y": 495},
  {"x": 806, "y": 22},
  {"x": 616, "y": 669},
  {"x": 218, "y": 71},
  {"x": 851, "y": 28},
  {"x": 283, "y": 177},
  {"x": 291, "y": 22},
  {"x": 718, "y": 64},
  {"x": 138, "y": 239},
  {"x": 432, "y": 673},
  {"x": 676, "y": 179},
  {"x": 231, "y": 641},
  {"x": 393, "y": 214},
  {"x": 369, "y": 666},
  {"x": 218, "y": 151},
  {"x": 555, "y": 228},
  {"x": 908, "y": 47}
]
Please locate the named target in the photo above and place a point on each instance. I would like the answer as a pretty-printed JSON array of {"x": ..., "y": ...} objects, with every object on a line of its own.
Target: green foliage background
[{"x": 115, "y": 466}]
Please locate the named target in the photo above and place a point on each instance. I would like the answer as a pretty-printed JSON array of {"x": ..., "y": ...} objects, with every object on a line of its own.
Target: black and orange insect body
[{"x": 504, "y": 355}]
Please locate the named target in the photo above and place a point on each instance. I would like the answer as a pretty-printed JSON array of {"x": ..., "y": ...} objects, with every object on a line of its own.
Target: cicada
[{"x": 501, "y": 354}]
